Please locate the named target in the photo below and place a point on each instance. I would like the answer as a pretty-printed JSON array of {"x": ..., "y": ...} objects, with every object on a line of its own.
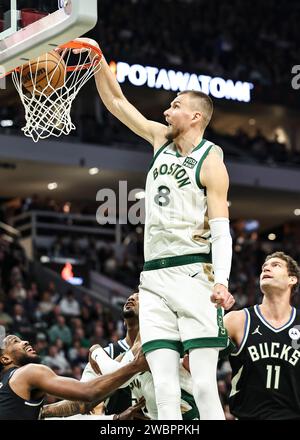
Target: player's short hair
[
  {"x": 202, "y": 102},
  {"x": 292, "y": 266}
]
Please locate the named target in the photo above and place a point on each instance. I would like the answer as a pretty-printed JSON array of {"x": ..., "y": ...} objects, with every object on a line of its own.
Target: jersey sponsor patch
[
  {"x": 190, "y": 163},
  {"x": 294, "y": 333}
]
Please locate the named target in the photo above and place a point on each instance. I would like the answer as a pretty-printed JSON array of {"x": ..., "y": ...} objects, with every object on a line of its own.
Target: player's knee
[
  {"x": 164, "y": 388},
  {"x": 171, "y": 399},
  {"x": 204, "y": 388}
]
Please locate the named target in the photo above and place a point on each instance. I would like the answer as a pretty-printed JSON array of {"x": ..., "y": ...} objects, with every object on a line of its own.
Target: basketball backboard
[{"x": 29, "y": 29}]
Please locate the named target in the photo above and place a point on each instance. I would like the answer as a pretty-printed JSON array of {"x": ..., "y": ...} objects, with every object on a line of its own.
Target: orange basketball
[{"x": 44, "y": 74}]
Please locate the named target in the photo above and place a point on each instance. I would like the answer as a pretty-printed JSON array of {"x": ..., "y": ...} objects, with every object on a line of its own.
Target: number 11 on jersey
[{"x": 270, "y": 376}]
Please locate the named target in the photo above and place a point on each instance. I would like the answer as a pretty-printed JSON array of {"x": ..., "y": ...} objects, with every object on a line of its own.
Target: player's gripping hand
[
  {"x": 85, "y": 40},
  {"x": 221, "y": 297},
  {"x": 133, "y": 412}
]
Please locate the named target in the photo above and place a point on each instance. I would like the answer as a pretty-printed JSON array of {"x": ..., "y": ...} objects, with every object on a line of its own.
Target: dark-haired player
[
  {"x": 24, "y": 383},
  {"x": 266, "y": 363}
]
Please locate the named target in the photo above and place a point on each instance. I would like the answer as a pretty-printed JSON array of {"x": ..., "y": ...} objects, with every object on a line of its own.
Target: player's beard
[
  {"x": 24, "y": 359},
  {"x": 130, "y": 313},
  {"x": 172, "y": 134}
]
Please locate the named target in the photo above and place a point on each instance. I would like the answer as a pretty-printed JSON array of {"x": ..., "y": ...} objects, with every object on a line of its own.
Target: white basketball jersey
[{"x": 176, "y": 204}]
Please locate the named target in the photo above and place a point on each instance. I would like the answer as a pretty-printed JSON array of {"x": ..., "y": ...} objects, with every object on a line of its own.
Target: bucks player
[
  {"x": 119, "y": 401},
  {"x": 142, "y": 386},
  {"x": 188, "y": 246},
  {"x": 266, "y": 364}
]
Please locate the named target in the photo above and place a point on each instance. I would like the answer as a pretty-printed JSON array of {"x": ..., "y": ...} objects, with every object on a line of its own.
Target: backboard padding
[{"x": 59, "y": 27}]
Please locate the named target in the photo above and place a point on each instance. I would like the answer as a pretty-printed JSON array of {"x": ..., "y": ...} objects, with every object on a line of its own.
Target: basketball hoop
[{"x": 47, "y": 108}]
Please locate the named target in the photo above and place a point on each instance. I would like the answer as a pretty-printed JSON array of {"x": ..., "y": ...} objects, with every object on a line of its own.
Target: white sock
[
  {"x": 203, "y": 367},
  {"x": 164, "y": 366}
]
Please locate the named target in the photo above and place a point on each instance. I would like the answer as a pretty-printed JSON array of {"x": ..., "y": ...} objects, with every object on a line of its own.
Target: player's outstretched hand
[{"x": 221, "y": 297}]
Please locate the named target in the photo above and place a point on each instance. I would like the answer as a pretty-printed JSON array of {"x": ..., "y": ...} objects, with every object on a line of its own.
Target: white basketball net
[{"x": 49, "y": 114}]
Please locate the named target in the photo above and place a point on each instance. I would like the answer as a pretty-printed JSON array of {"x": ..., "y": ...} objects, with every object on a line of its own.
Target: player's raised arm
[
  {"x": 215, "y": 178},
  {"x": 115, "y": 101}
]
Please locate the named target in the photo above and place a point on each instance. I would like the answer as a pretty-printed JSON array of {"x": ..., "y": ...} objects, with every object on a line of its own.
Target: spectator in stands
[
  {"x": 60, "y": 331},
  {"x": 76, "y": 372},
  {"x": 34, "y": 289},
  {"x": 31, "y": 304},
  {"x": 98, "y": 335},
  {"x": 17, "y": 292},
  {"x": 56, "y": 359},
  {"x": 16, "y": 276},
  {"x": 81, "y": 357},
  {"x": 41, "y": 345},
  {"x": 74, "y": 352},
  {"x": 55, "y": 295},
  {"x": 79, "y": 335},
  {"x": 45, "y": 307},
  {"x": 53, "y": 315},
  {"x": 5, "y": 319},
  {"x": 69, "y": 306},
  {"x": 86, "y": 317},
  {"x": 75, "y": 324},
  {"x": 99, "y": 311},
  {"x": 21, "y": 324}
]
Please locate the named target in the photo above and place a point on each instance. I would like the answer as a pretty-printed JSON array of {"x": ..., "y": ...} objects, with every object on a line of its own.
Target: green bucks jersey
[{"x": 176, "y": 204}]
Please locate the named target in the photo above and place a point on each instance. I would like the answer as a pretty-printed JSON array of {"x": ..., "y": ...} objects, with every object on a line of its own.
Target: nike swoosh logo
[
  {"x": 170, "y": 154},
  {"x": 193, "y": 276}
]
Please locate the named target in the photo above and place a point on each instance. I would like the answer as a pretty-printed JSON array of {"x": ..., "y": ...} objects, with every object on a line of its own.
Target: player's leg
[
  {"x": 164, "y": 366},
  {"x": 203, "y": 334},
  {"x": 160, "y": 341},
  {"x": 203, "y": 367}
]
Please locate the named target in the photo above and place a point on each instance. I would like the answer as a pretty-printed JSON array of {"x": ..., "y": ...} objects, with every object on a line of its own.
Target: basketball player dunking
[
  {"x": 187, "y": 246},
  {"x": 266, "y": 364}
]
